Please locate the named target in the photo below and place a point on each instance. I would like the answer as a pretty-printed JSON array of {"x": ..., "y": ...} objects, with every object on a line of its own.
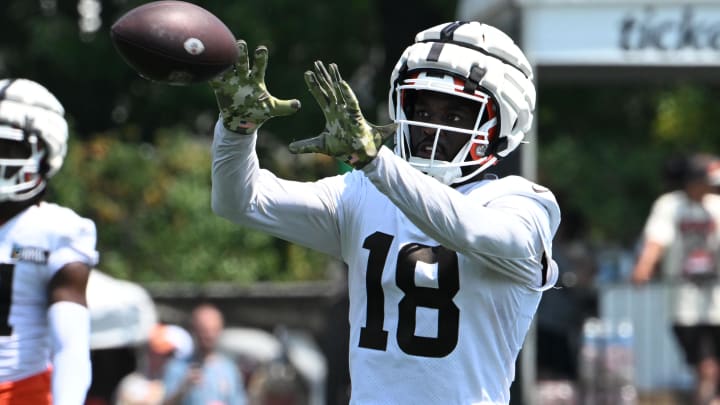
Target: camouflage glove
[
  {"x": 347, "y": 135},
  {"x": 242, "y": 96}
]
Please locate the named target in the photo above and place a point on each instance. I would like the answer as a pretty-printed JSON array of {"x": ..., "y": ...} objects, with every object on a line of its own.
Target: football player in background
[
  {"x": 446, "y": 265},
  {"x": 46, "y": 253},
  {"x": 681, "y": 241}
]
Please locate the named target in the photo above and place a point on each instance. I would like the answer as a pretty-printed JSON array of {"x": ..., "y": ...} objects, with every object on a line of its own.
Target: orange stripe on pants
[{"x": 33, "y": 390}]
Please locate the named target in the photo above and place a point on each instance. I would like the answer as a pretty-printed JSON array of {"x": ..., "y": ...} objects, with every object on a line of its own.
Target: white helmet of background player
[
  {"x": 29, "y": 115},
  {"x": 477, "y": 62}
]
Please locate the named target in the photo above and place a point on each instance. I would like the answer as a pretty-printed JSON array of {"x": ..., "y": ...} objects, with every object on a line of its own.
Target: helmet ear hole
[
  {"x": 498, "y": 145},
  {"x": 44, "y": 164},
  {"x": 44, "y": 167}
]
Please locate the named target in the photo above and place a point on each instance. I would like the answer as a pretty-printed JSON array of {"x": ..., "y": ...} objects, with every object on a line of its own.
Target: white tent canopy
[{"x": 121, "y": 312}]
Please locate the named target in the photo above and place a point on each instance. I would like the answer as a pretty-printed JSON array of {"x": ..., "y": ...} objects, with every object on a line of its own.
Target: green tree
[
  {"x": 603, "y": 148},
  {"x": 151, "y": 203}
]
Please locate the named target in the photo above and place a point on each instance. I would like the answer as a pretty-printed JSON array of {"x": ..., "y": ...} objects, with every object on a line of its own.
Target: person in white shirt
[
  {"x": 446, "y": 265},
  {"x": 46, "y": 253},
  {"x": 682, "y": 238}
]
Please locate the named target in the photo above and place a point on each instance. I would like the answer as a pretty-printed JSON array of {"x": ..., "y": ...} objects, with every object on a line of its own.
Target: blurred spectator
[
  {"x": 278, "y": 382},
  {"x": 145, "y": 385},
  {"x": 682, "y": 236},
  {"x": 207, "y": 377},
  {"x": 563, "y": 309},
  {"x": 673, "y": 172}
]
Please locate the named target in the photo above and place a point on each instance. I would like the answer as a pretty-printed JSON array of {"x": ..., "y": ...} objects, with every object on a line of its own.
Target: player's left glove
[
  {"x": 347, "y": 135},
  {"x": 242, "y": 96}
]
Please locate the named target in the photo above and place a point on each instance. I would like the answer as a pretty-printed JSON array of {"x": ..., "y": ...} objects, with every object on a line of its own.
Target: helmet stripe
[
  {"x": 473, "y": 80},
  {"x": 4, "y": 90},
  {"x": 434, "y": 54},
  {"x": 446, "y": 34},
  {"x": 484, "y": 52}
]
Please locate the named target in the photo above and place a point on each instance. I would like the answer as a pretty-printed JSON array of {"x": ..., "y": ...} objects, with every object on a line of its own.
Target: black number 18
[{"x": 373, "y": 336}]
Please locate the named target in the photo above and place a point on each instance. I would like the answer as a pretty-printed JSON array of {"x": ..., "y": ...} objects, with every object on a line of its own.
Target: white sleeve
[
  {"x": 304, "y": 213},
  {"x": 660, "y": 225},
  {"x": 514, "y": 229},
  {"x": 76, "y": 243},
  {"x": 69, "y": 325}
]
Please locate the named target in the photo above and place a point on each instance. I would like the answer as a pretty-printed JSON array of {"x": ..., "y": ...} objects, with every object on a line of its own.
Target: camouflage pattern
[
  {"x": 347, "y": 135},
  {"x": 242, "y": 96}
]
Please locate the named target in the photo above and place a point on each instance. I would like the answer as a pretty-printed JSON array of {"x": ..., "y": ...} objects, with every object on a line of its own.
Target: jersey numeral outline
[
  {"x": 373, "y": 336},
  {"x": 7, "y": 272}
]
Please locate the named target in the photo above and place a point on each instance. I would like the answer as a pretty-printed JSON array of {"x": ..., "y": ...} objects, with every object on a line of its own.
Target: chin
[{"x": 425, "y": 154}]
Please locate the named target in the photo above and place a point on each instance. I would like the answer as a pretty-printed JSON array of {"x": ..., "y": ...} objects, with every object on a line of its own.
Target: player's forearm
[
  {"x": 234, "y": 170},
  {"x": 455, "y": 220},
  {"x": 647, "y": 261},
  {"x": 302, "y": 213},
  {"x": 69, "y": 325}
]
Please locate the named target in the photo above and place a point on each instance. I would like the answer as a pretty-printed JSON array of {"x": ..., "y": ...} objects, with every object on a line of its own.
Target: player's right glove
[{"x": 242, "y": 96}]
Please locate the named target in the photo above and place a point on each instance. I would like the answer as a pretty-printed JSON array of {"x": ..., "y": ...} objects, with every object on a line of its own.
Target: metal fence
[{"x": 658, "y": 361}]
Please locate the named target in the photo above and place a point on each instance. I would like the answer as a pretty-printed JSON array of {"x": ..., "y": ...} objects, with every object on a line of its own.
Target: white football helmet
[
  {"x": 32, "y": 116},
  {"x": 477, "y": 62}
]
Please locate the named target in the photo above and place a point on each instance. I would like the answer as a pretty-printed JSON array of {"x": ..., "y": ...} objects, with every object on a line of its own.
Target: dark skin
[
  {"x": 441, "y": 109},
  {"x": 70, "y": 282}
]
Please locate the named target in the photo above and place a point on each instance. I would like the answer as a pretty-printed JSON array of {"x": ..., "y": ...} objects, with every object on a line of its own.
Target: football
[{"x": 174, "y": 42}]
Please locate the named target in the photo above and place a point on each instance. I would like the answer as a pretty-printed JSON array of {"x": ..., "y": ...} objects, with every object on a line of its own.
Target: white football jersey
[
  {"x": 33, "y": 246},
  {"x": 443, "y": 282},
  {"x": 690, "y": 233}
]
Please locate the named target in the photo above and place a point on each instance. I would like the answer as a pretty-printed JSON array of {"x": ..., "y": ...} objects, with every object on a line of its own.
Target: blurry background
[{"x": 624, "y": 89}]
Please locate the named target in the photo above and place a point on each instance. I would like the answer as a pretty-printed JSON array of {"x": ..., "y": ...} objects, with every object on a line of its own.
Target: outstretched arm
[
  {"x": 647, "y": 261},
  {"x": 303, "y": 213}
]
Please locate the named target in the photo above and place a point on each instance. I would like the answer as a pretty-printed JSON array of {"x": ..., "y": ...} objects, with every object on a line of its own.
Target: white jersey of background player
[
  {"x": 446, "y": 269},
  {"x": 46, "y": 252}
]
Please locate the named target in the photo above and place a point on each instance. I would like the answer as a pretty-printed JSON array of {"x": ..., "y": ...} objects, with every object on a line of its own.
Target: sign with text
[{"x": 622, "y": 34}]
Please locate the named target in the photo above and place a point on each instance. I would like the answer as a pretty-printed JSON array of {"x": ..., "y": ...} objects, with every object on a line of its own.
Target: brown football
[{"x": 174, "y": 42}]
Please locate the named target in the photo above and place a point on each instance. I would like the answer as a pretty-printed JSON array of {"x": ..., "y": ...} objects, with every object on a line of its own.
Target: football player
[
  {"x": 681, "y": 240},
  {"x": 447, "y": 264},
  {"x": 46, "y": 253}
]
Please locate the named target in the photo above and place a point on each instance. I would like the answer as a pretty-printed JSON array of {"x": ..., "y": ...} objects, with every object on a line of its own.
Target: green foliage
[
  {"x": 602, "y": 149},
  {"x": 151, "y": 204},
  {"x": 687, "y": 115}
]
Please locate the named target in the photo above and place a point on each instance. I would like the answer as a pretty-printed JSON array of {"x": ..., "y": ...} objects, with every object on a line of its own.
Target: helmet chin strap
[
  {"x": 446, "y": 174},
  {"x": 491, "y": 161},
  {"x": 443, "y": 173}
]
